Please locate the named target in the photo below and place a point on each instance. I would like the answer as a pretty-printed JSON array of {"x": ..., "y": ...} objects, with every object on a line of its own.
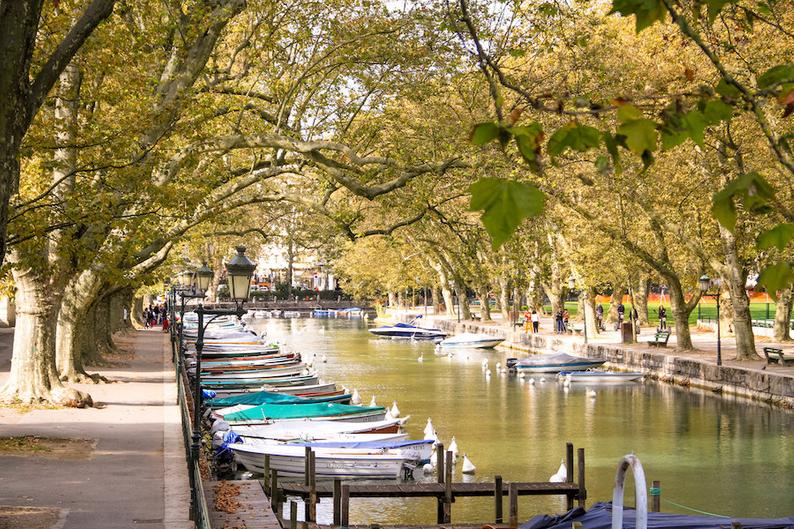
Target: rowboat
[
  {"x": 301, "y": 390},
  {"x": 471, "y": 341},
  {"x": 309, "y": 429},
  {"x": 600, "y": 377},
  {"x": 262, "y": 360},
  {"x": 340, "y": 463},
  {"x": 238, "y": 352},
  {"x": 553, "y": 363},
  {"x": 266, "y": 413},
  {"x": 263, "y": 374},
  {"x": 259, "y": 382},
  {"x": 269, "y": 397},
  {"x": 407, "y": 331}
]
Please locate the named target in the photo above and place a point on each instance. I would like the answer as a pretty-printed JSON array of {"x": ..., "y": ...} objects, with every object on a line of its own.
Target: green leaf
[
  {"x": 629, "y": 113},
  {"x": 715, "y": 6},
  {"x": 602, "y": 163},
  {"x": 751, "y": 189},
  {"x": 483, "y": 133},
  {"x": 727, "y": 90},
  {"x": 724, "y": 209},
  {"x": 777, "y": 74},
  {"x": 776, "y": 277},
  {"x": 640, "y": 135},
  {"x": 504, "y": 203},
  {"x": 578, "y": 137},
  {"x": 646, "y": 11},
  {"x": 695, "y": 125},
  {"x": 779, "y": 237},
  {"x": 716, "y": 111}
]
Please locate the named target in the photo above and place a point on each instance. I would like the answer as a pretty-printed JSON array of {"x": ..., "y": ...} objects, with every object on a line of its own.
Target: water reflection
[{"x": 718, "y": 454}]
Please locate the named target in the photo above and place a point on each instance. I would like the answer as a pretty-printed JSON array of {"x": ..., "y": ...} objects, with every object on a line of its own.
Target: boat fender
[
  {"x": 220, "y": 426},
  {"x": 208, "y": 394}
]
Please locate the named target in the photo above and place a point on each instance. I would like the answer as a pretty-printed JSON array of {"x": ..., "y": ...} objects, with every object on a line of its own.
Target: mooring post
[
  {"x": 273, "y": 489},
  {"x": 337, "y": 500},
  {"x": 569, "y": 472},
  {"x": 582, "y": 496},
  {"x": 266, "y": 473},
  {"x": 307, "y": 461},
  {"x": 312, "y": 487},
  {"x": 656, "y": 496},
  {"x": 344, "y": 518},
  {"x": 512, "y": 491},
  {"x": 448, "y": 488},
  {"x": 736, "y": 525},
  {"x": 497, "y": 489},
  {"x": 293, "y": 515},
  {"x": 441, "y": 475}
]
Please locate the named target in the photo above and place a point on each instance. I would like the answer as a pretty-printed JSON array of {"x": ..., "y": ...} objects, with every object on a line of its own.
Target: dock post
[
  {"x": 337, "y": 501},
  {"x": 273, "y": 488},
  {"x": 441, "y": 475},
  {"x": 312, "y": 487},
  {"x": 307, "y": 461},
  {"x": 344, "y": 518},
  {"x": 448, "y": 488},
  {"x": 582, "y": 496},
  {"x": 265, "y": 482},
  {"x": 656, "y": 496},
  {"x": 569, "y": 471},
  {"x": 497, "y": 487},
  {"x": 513, "y": 495},
  {"x": 293, "y": 515}
]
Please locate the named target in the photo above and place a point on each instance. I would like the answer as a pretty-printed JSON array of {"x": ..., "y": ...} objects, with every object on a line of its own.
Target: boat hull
[{"x": 334, "y": 466}]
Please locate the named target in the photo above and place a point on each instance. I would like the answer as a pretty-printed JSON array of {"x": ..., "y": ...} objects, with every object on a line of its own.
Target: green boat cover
[
  {"x": 297, "y": 411},
  {"x": 268, "y": 397}
]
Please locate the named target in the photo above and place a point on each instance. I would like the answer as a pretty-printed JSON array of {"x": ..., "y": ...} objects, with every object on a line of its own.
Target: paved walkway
[{"x": 136, "y": 475}]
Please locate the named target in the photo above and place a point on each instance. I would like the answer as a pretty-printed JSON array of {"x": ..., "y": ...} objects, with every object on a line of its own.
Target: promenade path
[{"x": 135, "y": 475}]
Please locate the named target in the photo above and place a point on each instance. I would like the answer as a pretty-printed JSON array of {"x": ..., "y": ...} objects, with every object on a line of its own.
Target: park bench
[
  {"x": 576, "y": 328},
  {"x": 660, "y": 339},
  {"x": 776, "y": 356}
]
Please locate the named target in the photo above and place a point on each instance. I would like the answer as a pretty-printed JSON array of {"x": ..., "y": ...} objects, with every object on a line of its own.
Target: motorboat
[
  {"x": 553, "y": 363},
  {"x": 600, "y": 377},
  {"x": 471, "y": 341},
  {"x": 408, "y": 331}
]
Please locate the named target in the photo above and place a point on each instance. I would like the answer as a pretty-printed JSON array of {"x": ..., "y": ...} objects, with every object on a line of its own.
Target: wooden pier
[{"x": 253, "y": 512}]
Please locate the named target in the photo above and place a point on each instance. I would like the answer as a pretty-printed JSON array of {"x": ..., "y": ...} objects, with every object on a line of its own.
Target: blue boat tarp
[
  {"x": 267, "y": 397},
  {"x": 365, "y": 444},
  {"x": 600, "y": 517}
]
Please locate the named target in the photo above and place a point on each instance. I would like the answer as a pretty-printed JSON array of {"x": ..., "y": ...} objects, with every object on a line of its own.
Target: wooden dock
[{"x": 254, "y": 511}]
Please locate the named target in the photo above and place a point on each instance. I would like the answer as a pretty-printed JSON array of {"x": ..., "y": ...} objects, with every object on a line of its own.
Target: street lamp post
[
  {"x": 572, "y": 286},
  {"x": 705, "y": 283}
]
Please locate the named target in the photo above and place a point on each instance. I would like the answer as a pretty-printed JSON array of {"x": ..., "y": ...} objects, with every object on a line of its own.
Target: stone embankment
[{"x": 659, "y": 364}]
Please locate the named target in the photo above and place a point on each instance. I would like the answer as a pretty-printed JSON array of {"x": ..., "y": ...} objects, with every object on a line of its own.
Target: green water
[{"x": 717, "y": 454}]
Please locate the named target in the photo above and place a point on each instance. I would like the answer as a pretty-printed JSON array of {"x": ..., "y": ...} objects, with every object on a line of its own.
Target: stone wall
[{"x": 661, "y": 364}]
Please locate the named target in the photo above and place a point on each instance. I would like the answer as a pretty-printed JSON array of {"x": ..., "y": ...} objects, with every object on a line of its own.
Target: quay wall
[{"x": 659, "y": 364}]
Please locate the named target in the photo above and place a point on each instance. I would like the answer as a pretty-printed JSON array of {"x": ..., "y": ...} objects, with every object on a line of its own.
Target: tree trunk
[
  {"x": 614, "y": 300},
  {"x": 735, "y": 277},
  {"x": 436, "y": 293},
  {"x": 588, "y": 298},
  {"x": 103, "y": 332},
  {"x": 681, "y": 311},
  {"x": 516, "y": 304},
  {"x": 463, "y": 301},
  {"x": 400, "y": 299},
  {"x": 392, "y": 299},
  {"x": 78, "y": 297},
  {"x": 34, "y": 377},
  {"x": 485, "y": 306},
  {"x": 504, "y": 297},
  {"x": 641, "y": 298},
  {"x": 783, "y": 315}
]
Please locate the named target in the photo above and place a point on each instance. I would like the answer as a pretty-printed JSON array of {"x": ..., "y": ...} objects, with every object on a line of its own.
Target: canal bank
[{"x": 774, "y": 385}]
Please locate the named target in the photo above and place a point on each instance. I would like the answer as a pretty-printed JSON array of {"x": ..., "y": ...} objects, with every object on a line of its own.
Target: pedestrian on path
[
  {"x": 621, "y": 313},
  {"x": 558, "y": 322},
  {"x": 635, "y": 320},
  {"x": 565, "y": 318},
  {"x": 662, "y": 318},
  {"x": 599, "y": 317},
  {"x": 535, "y": 321}
]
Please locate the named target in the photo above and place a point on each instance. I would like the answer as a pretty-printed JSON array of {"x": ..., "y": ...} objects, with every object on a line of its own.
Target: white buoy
[
  {"x": 561, "y": 475},
  {"x": 542, "y": 379},
  {"x": 531, "y": 381},
  {"x": 372, "y": 402},
  {"x": 356, "y": 398},
  {"x": 427, "y": 468},
  {"x": 487, "y": 373},
  {"x": 591, "y": 393},
  {"x": 498, "y": 365},
  {"x": 395, "y": 411},
  {"x": 429, "y": 429},
  {"x": 468, "y": 466},
  {"x": 421, "y": 357},
  {"x": 325, "y": 359},
  {"x": 484, "y": 364},
  {"x": 453, "y": 447},
  {"x": 521, "y": 375}
]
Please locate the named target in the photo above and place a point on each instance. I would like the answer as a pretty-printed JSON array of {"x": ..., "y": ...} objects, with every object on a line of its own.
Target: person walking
[
  {"x": 535, "y": 321},
  {"x": 558, "y": 322},
  {"x": 621, "y": 313},
  {"x": 565, "y": 318},
  {"x": 599, "y": 317},
  {"x": 146, "y": 318},
  {"x": 662, "y": 318},
  {"x": 635, "y": 320}
]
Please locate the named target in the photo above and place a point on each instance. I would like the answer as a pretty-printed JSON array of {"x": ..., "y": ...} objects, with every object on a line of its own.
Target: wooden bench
[
  {"x": 660, "y": 339},
  {"x": 776, "y": 356}
]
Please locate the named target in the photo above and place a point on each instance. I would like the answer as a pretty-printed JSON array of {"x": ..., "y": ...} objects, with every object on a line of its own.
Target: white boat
[
  {"x": 553, "y": 363},
  {"x": 261, "y": 314},
  {"x": 408, "y": 331},
  {"x": 265, "y": 373},
  {"x": 307, "y": 429},
  {"x": 292, "y": 314},
  {"x": 472, "y": 341},
  {"x": 339, "y": 463},
  {"x": 600, "y": 377}
]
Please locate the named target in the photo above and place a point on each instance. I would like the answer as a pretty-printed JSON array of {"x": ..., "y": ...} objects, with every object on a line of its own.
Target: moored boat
[
  {"x": 600, "y": 377},
  {"x": 553, "y": 363},
  {"x": 267, "y": 413},
  {"x": 408, "y": 331},
  {"x": 471, "y": 341}
]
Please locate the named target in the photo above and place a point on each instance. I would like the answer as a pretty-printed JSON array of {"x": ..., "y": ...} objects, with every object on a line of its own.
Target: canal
[{"x": 719, "y": 455}]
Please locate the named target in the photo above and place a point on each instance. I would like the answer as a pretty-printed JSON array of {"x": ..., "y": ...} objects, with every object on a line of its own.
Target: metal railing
[{"x": 199, "y": 509}]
